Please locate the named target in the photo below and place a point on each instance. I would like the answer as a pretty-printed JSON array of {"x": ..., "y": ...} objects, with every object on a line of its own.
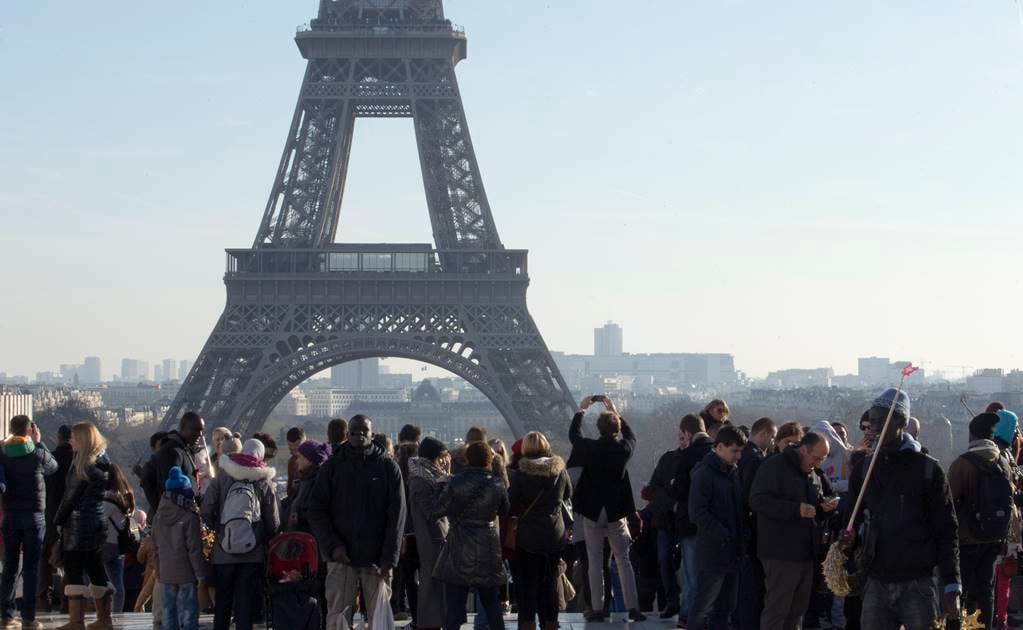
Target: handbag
[{"x": 508, "y": 539}]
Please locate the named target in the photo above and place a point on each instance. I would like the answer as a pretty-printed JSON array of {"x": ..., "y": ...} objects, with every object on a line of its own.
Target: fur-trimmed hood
[
  {"x": 238, "y": 472},
  {"x": 542, "y": 466}
]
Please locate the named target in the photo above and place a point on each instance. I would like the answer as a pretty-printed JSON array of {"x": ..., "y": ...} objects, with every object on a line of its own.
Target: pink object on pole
[{"x": 909, "y": 369}]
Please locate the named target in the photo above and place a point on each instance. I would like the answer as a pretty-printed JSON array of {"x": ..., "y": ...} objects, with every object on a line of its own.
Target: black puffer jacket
[
  {"x": 358, "y": 501},
  {"x": 56, "y": 483},
  {"x": 715, "y": 505},
  {"x": 662, "y": 504},
  {"x": 543, "y": 484},
  {"x": 471, "y": 556},
  {"x": 778, "y": 489},
  {"x": 911, "y": 505},
  {"x": 604, "y": 482},
  {"x": 80, "y": 515},
  {"x": 172, "y": 452},
  {"x": 749, "y": 464},
  {"x": 698, "y": 448},
  {"x": 25, "y": 465}
]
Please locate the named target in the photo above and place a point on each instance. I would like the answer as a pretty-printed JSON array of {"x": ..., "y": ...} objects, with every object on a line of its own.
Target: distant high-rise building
[
  {"x": 92, "y": 372},
  {"x": 70, "y": 370},
  {"x": 130, "y": 370},
  {"x": 184, "y": 367},
  {"x": 361, "y": 373},
  {"x": 874, "y": 370},
  {"x": 158, "y": 373},
  {"x": 170, "y": 369},
  {"x": 607, "y": 341},
  {"x": 143, "y": 371}
]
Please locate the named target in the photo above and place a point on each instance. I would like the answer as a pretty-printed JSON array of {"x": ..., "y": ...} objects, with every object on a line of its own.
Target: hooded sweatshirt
[
  {"x": 836, "y": 465},
  {"x": 25, "y": 463}
]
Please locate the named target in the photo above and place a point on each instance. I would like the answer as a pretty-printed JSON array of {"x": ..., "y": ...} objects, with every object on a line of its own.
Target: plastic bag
[
  {"x": 342, "y": 622},
  {"x": 383, "y": 618}
]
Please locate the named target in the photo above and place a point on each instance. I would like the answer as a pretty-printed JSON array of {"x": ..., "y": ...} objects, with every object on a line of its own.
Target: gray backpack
[{"x": 239, "y": 518}]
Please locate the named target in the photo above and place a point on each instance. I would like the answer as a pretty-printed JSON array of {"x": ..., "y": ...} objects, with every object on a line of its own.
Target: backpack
[
  {"x": 239, "y": 518},
  {"x": 988, "y": 512},
  {"x": 128, "y": 535}
]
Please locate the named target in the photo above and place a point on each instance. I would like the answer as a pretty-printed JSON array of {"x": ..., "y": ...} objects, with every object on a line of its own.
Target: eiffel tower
[{"x": 299, "y": 303}]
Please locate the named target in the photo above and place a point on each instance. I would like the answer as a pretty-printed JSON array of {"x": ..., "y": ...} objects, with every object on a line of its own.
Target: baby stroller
[{"x": 291, "y": 585}]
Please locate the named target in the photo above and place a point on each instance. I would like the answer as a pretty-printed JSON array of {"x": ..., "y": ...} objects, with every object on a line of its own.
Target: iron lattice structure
[{"x": 298, "y": 303}]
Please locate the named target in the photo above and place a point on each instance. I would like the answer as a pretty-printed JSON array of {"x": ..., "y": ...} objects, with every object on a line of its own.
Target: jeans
[
  {"x": 23, "y": 532},
  {"x": 690, "y": 579},
  {"x": 180, "y": 607},
  {"x": 242, "y": 581},
  {"x": 617, "y": 533},
  {"x": 454, "y": 610},
  {"x": 667, "y": 545},
  {"x": 977, "y": 564},
  {"x": 913, "y": 604},
  {"x": 751, "y": 594},
  {"x": 715, "y": 599},
  {"x": 113, "y": 562}
]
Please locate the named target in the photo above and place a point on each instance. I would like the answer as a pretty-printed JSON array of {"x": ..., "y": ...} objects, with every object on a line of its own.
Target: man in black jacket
[
  {"x": 662, "y": 508},
  {"x": 788, "y": 496},
  {"x": 175, "y": 450},
  {"x": 715, "y": 505},
  {"x": 48, "y": 595},
  {"x": 699, "y": 444},
  {"x": 603, "y": 496},
  {"x": 357, "y": 513},
  {"x": 911, "y": 525},
  {"x": 25, "y": 461},
  {"x": 751, "y": 577}
]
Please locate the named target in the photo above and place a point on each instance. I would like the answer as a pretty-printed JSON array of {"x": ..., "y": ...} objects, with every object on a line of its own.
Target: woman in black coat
[
  {"x": 539, "y": 494},
  {"x": 83, "y": 531},
  {"x": 471, "y": 556}
]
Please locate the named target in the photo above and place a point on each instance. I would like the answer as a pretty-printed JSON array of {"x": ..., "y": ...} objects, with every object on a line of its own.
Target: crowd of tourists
[{"x": 730, "y": 531}]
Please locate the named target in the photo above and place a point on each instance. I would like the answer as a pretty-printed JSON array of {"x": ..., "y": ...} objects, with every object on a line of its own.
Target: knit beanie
[
  {"x": 315, "y": 452},
  {"x": 177, "y": 481},
  {"x": 231, "y": 445},
  {"x": 254, "y": 448},
  {"x": 982, "y": 426},
  {"x": 901, "y": 399},
  {"x": 517, "y": 447},
  {"x": 1005, "y": 430},
  {"x": 431, "y": 448}
]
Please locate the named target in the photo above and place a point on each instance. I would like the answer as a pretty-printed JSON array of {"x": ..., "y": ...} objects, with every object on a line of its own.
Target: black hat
[
  {"x": 432, "y": 448},
  {"x": 982, "y": 427}
]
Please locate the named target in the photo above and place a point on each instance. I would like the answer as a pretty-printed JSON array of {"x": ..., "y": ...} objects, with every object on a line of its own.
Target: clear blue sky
[{"x": 797, "y": 183}]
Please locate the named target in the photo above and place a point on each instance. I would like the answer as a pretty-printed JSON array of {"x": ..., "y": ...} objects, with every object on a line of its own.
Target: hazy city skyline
[{"x": 796, "y": 185}]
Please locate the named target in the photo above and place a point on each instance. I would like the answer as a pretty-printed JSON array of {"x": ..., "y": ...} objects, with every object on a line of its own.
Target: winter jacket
[
  {"x": 962, "y": 483},
  {"x": 543, "y": 484},
  {"x": 25, "y": 465},
  {"x": 911, "y": 506},
  {"x": 426, "y": 483},
  {"x": 458, "y": 462},
  {"x": 698, "y": 448},
  {"x": 80, "y": 515},
  {"x": 113, "y": 514},
  {"x": 293, "y": 477},
  {"x": 662, "y": 504},
  {"x": 715, "y": 506},
  {"x": 749, "y": 464},
  {"x": 604, "y": 482},
  {"x": 779, "y": 487},
  {"x": 471, "y": 555},
  {"x": 836, "y": 465},
  {"x": 56, "y": 483},
  {"x": 297, "y": 518},
  {"x": 172, "y": 452},
  {"x": 358, "y": 502},
  {"x": 237, "y": 469},
  {"x": 178, "y": 540}
]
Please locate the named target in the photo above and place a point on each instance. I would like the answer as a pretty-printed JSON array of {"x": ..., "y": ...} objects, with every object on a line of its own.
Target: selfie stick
[
  {"x": 209, "y": 460},
  {"x": 906, "y": 371}
]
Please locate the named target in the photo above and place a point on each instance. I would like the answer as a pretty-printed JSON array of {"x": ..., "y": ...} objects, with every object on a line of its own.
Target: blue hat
[
  {"x": 177, "y": 481},
  {"x": 899, "y": 397},
  {"x": 1005, "y": 430}
]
